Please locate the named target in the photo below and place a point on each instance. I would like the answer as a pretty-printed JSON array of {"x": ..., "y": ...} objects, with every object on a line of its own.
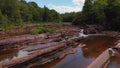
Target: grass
[
  {"x": 40, "y": 30},
  {"x": 37, "y": 30}
]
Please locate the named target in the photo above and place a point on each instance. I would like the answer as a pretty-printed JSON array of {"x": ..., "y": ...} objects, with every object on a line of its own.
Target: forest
[
  {"x": 17, "y": 12},
  {"x": 105, "y": 13}
]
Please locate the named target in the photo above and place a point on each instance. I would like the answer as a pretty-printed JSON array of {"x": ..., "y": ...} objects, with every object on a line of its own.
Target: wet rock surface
[
  {"x": 54, "y": 49},
  {"x": 16, "y": 43},
  {"x": 65, "y": 40}
]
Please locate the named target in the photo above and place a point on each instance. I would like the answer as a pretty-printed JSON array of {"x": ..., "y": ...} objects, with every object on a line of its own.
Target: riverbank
[{"x": 21, "y": 41}]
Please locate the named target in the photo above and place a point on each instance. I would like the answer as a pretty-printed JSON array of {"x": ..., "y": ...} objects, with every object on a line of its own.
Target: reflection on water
[
  {"x": 95, "y": 45},
  {"x": 115, "y": 62},
  {"x": 7, "y": 57},
  {"x": 17, "y": 54},
  {"x": 38, "y": 46},
  {"x": 76, "y": 60}
]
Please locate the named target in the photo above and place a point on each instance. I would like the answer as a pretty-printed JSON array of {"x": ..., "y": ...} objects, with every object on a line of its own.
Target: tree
[
  {"x": 3, "y": 20},
  {"x": 54, "y": 16},
  {"x": 100, "y": 12},
  {"x": 68, "y": 17},
  {"x": 24, "y": 11},
  {"x": 17, "y": 11},
  {"x": 112, "y": 12},
  {"x": 45, "y": 14},
  {"x": 86, "y": 15}
]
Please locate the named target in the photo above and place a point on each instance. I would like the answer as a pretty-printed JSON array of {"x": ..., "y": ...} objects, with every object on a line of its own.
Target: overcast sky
[{"x": 61, "y": 6}]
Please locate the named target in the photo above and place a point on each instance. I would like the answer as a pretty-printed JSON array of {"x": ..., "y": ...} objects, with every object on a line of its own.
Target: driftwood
[{"x": 39, "y": 52}]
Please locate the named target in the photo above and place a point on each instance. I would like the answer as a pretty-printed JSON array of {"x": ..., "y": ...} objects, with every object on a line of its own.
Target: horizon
[{"x": 62, "y": 7}]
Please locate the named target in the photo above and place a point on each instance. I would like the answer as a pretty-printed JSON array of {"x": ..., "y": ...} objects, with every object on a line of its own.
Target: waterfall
[{"x": 81, "y": 33}]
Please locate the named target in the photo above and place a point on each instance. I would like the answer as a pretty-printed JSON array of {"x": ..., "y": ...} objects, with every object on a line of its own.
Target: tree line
[
  {"x": 19, "y": 11},
  {"x": 105, "y": 13},
  {"x": 68, "y": 17},
  {"x": 100, "y": 12}
]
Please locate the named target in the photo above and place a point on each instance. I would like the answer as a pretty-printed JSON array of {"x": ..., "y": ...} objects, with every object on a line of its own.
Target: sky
[{"x": 61, "y": 6}]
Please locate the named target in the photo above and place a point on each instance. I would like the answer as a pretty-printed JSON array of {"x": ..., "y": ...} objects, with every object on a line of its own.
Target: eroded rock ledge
[{"x": 53, "y": 51}]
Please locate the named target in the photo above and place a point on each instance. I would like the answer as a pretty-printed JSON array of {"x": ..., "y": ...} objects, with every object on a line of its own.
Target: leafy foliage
[
  {"x": 40, "y": 30},
  {"x": 68, "y": 17},
  {"x": 100, "y": 12},
  {"x": 19, "y": 11}
]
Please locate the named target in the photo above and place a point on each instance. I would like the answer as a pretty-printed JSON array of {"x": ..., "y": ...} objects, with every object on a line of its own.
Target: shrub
[{"x": 40, "y": 30}]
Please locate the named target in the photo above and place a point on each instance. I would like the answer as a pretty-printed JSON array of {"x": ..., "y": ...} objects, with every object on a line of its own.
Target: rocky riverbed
[{"x": 52, "y": 45}]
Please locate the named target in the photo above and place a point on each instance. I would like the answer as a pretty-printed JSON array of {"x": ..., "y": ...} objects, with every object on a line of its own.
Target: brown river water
[
  {"x": 92, "y": 47},
  {"x": 4, "y": 57},
  {"x": 115, "y": 62}
]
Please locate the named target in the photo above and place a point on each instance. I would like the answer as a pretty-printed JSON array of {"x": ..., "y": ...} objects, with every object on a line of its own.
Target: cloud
[
  {"x": 64, "y": 9},
  {"x": 78, "y": 2}
]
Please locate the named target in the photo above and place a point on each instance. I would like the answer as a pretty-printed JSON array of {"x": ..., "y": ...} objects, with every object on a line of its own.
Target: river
[
  {"x": 88, "y": 50},
  {"x": 9, "y": 55}
]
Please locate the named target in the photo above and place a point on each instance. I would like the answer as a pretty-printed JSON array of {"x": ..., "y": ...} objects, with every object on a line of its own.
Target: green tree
[
  {"x": 3, "y": 21},
  {"x": 24, "y": 11},
  {"x": 112, "y": 12},
  {"x": 68, "y": 17},
  {"x": 87, "y": 15},
  {"x": 15, "y": 12},
  {"x": 35, "y": 11},
  {"x": 46, "y": 14},
  {"x": 12, "y": 10},
  {"x": 54, "y": 16},
  {"x": 100, "y": 12}
]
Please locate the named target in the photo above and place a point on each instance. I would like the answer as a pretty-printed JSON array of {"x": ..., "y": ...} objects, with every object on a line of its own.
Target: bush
[{"x": 40, "y": 30}]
